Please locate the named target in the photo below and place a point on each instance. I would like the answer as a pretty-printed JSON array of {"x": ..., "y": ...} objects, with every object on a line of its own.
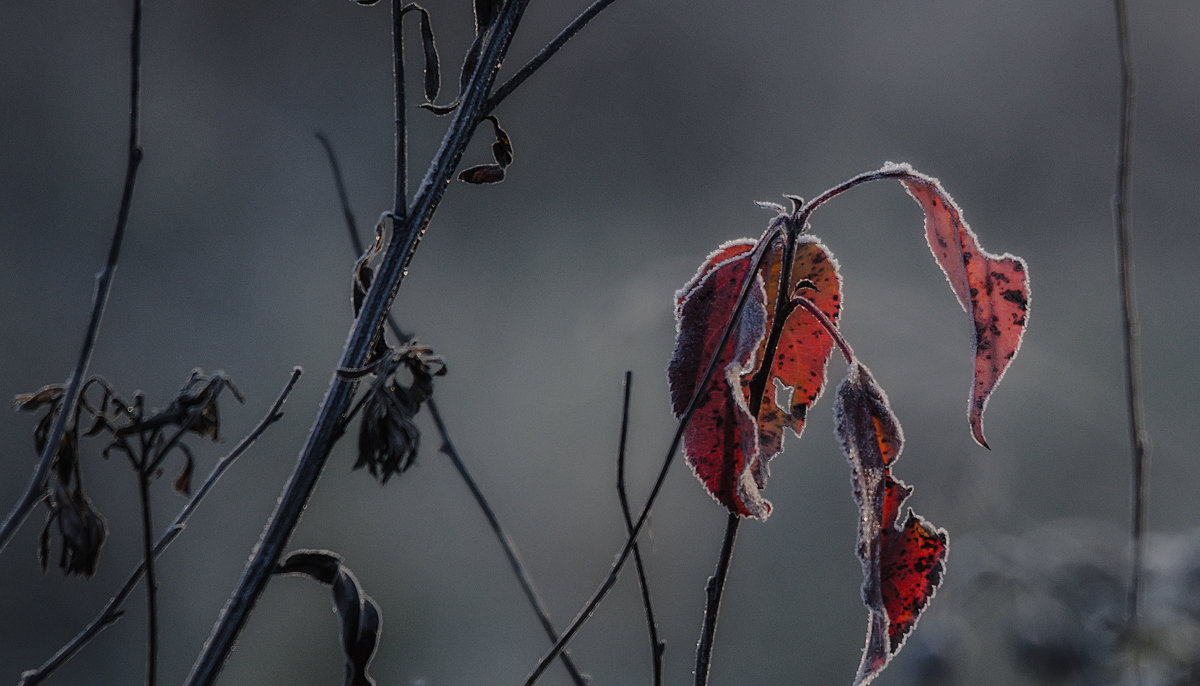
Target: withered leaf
[
  {"x": 482, "y": 173},
  {"x": 359, "y": 615},
  {"x": 903, "y": 566}
]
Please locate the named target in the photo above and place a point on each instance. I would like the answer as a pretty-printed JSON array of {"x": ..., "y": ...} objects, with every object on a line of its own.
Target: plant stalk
[{"x": 327, "y": 426}]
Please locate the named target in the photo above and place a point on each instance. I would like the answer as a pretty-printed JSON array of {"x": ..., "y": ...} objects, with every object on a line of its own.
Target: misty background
[{"x": 638, "y": 149}]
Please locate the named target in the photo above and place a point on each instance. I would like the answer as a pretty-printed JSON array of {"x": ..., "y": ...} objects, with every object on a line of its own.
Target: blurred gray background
[{"x": 639, "y": 148}]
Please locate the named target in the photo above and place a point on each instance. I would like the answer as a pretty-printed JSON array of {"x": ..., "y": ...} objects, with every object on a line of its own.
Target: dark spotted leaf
[
  {"x": 902, "y": 566},
  {"x": 993, "y": 289},
  {"x": 721, "y": 440},
  {"x": 358, "y": 614},
  {"x": 482, "y": 173}
]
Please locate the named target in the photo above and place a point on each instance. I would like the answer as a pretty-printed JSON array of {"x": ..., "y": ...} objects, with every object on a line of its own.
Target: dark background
[{"x": 639, "y": 148}]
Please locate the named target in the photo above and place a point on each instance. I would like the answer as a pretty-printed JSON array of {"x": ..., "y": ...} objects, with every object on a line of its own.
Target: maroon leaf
[
  {"x": 721, "y": 440},
  {"x": 902, "y": 567}
]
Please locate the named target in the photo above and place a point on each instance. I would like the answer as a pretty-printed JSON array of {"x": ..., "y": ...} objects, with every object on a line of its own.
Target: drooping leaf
[
  {"x": 358, "y": 613},
  {"x": 502, "y": 152},
  {"x": 992, "y": 289},
  {"x": 903, "y": 566},
  {"x": 804, "y": 345},
  {"x": 721, "y": 440}
]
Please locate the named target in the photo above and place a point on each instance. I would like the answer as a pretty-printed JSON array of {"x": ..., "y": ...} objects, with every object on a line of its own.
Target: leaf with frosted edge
[
  {"x": 992, "y": 289},
  {"x": 721, "y": 439},
  {"x": 902, "y": 567},
  {"x": 804, "y": 348}
]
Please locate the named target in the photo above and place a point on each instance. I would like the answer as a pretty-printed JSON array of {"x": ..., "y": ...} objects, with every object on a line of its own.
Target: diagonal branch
[
  {"x": 657, "y": 645},
  {"x": 545, "y": 53},
  {"x": 510, "y": 551},
  {"x": 327, "y": 426},
  {"x": 37, "y": 483}
]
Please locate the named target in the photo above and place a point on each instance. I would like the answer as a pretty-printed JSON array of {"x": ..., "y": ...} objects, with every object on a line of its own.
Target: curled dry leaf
[
  {"x": 388, "y": 438},
  {"x": 358, "y": 614},
  {"x": 993, "y": 289},
  {"x": 902, "y": 566}
]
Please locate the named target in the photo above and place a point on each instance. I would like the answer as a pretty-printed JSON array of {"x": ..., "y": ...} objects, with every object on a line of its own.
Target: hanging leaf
[
  {"x": 358, "y": 614},
  {"x": 804, "y": 345},
  {"x": 992, "y": 289},
  {"x": 903, "y": 566},
  {"x": 721, "y": 440},
  {"x": 502, "y": 152}
]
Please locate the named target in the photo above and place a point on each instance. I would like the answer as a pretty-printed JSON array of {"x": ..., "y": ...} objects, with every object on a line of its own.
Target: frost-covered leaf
[
  {"x": 903, "y": 566},
  {"x": 721, "y": 440},
  {"x": 993, "y": 289},
  {"x": 804, "y": 345}
]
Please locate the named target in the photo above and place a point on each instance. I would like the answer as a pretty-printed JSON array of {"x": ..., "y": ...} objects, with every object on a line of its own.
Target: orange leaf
[{"x": 804, "y": 345}]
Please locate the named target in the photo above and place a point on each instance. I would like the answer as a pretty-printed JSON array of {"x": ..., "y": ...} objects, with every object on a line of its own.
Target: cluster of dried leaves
[{"x": 146, "y": 438}]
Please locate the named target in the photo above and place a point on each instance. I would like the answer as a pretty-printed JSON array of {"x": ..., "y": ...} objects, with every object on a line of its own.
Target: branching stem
[
  {"x": 111, "y": 611},
  {"x": 657, "y": 646}
]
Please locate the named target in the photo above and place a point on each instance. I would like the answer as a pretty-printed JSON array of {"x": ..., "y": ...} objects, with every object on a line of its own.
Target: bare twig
[
  {"x": 545, "y": 53},
  {"x": 37, "y": 483},
  {"x": 657, "y": 646},
  {"x": 623, "y": 556},
  {"x": 712, "y": 604},
  {"x": 448, "y": 449},
  {"x": 111, "y": 612},
  {"x": 326, "y": 428},
  {"x": 506, "y": 543},
  {"x": 151, "y": 578},
  {"x": 400, "y": 201},
  {"x": 1139, "y": 440}
]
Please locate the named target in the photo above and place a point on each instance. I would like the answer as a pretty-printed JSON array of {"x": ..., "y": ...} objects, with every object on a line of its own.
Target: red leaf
[
  {"x": 721, "y": 440},
  {"x": 993, "y": 289},
  {"x": 804, "y": 345},
  {"x": 902, "y": 567}
]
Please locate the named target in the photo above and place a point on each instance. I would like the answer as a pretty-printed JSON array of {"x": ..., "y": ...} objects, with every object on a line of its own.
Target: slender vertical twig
[
  {"x": 657, "y": 646},
  {"x": 448, "y": 449},
  {"x": 400, "y": 200},
  {"x": 328, "y": 425},
  {"x": 37, "y": 483},
  {"x": 712, "y": 607},
  {"x": 151, "y": 577},
  {"x": 1133, "y": 393},
  {"x": 111, "y": 611}
]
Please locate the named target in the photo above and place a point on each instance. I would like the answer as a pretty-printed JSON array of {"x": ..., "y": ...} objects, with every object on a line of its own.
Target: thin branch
[
  {"x": 545, "y": 54},
  {"x": 657, "y": 646},
  {"x": 111, "y": 612},
  {"x": 400, "y": 200},
  {"x": 712, "y": 607},
  {"x": 506, "y": 543},
  {"x": 151, "y": 578},
  {"x": 1139, "y": 440},
  {"x": 326, "y": 428},
  {"x": 35, "y": 490},
  {"x": 510, "y": 551},
  {"x": 615, "y": 570}
]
